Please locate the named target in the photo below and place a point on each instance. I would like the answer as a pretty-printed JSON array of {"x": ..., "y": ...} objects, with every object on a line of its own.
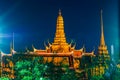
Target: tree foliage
[
  {"x": 36, "y": 69},
  {"x": 4, "y": 78},
  {"x": 29, "y": 69}
]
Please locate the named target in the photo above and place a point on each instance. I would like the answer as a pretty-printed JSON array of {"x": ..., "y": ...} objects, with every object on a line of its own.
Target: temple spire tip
[{"x": 59, "y": 11}]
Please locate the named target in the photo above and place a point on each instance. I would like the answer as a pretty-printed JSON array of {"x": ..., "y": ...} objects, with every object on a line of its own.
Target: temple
[
  {"x": 62, "y": 51},
  {"x": 61, "y": 48}
]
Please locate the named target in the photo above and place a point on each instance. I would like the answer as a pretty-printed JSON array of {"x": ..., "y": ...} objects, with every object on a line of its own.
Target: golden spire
[
  {"x": 102, "y": 41},
  {"x": 102, "y": 48},
  {"x": 59, "y": 35},
  {"x": 60, "y": 44}
]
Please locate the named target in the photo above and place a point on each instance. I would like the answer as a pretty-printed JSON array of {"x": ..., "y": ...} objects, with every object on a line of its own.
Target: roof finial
[{"x": 59, "y": 11}]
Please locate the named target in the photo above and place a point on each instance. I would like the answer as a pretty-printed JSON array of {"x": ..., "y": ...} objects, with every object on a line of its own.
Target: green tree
[
  {"x": 30, "y": 69},
  {"x": 4, "y": 78},
  {"x": 100, "y": 77}
]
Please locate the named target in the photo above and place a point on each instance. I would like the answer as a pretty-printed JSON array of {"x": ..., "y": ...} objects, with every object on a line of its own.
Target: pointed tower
[
  {"x": 60, "y": 44},
  {"x": 60, "y": 35},
  {"x": 103, "y": 56},
  {"x": 102, "y": 50}
]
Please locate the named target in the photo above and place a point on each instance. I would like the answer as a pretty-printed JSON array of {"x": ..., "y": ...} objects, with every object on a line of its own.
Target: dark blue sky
[{"x": 34, "y": 21}]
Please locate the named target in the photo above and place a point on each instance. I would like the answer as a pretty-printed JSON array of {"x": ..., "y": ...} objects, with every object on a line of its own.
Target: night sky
[{"x": 34, "y": 21}]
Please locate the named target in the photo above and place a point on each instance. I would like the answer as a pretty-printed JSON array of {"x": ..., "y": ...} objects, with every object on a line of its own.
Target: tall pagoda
[
  {"x": 103, "y": 57},
  {"x": 102, "y": 49}
]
